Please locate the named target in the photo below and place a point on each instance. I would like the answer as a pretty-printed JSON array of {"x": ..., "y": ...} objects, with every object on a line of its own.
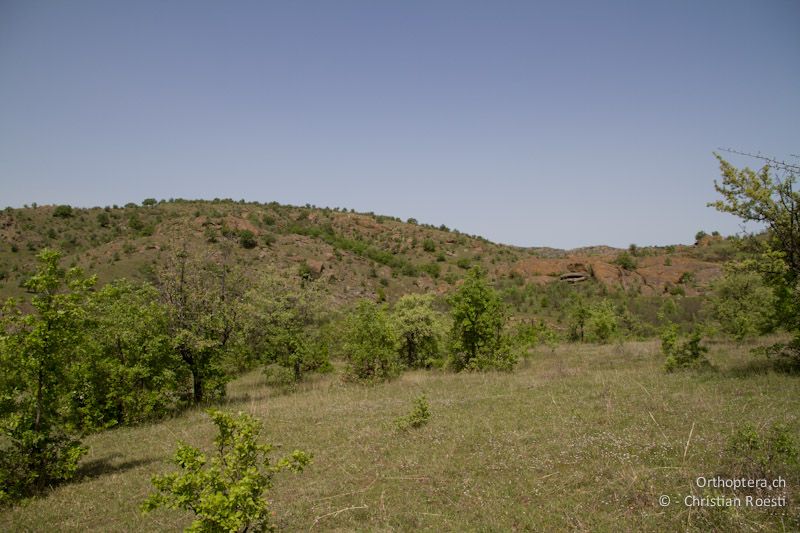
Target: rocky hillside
[{"x": 358, "y": 255}]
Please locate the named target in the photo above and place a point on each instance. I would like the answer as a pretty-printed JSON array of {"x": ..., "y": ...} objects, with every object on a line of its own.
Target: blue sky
[{"x": 531, "y": 123}]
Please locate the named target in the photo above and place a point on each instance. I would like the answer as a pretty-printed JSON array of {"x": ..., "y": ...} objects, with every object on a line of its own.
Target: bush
[
  {"x": 428, "y": 245},
  {"x": 103, "y": 219},
  {"x": 742, "y": 304},
  {"x": 247, "y": 239},
  {"x": 419, "y": 329},
  {"x": 601, "y": 321},
  {"x": 431, "y": 269},
  {"x": 63, "y": 211},
  {"x": 764, "y": 455},
  {"x": 418, "y": 416},
  {"x": 625, "y": 261},
  {"x": 478, "y": 341},
  {"x": 370, "y": 344},
  {"x": 226, "y": 494},
  {"x": 689, "y": 354},
  {"x": 149, "y": 202}
]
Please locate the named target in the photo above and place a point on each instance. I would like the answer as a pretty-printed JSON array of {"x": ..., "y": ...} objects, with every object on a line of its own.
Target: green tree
[
  {"x": 370, "y": 343},
  {"x": 579, "y": 314},
  {"x": 419, "y": 328},
  {"x": 130, "y": 372},
  {"x": 767, "y": 198},
  {"x": 284, "y": 318},
  {"x": 479, "y": 317},
  {"x": 203, "y": 301},
  {"x": 742, "y": 304},
  {"x": 36, "y": 349},
  {"x": 225, "y": 493}
]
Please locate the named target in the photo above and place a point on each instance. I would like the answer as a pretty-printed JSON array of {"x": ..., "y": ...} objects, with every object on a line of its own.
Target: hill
[{"x": 356, "y": 255}]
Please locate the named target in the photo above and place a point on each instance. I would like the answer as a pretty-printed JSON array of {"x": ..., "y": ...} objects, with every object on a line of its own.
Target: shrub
[
  {"x": 432, "y": 269},
  {"x": 688, "y": 354},
  {"x": 418, "y": 417},
  {"x": 225, "y": 493},
  {"x": 742, "y": 304},
  {"x": 625, "y": 261},
  {"x": 601, "y": 321},
  {"x": 428, "y": 245},
  {"x": 103, "y": 219},
  {"x": 63, "y": 211},
  {"x": 764, "y": 455},
  {"x": 247, "y": 239},
  {"x": 135, "y": 223},
  {"x": 149, "y": 202},
  {"x": 479, "y": 317},
  {"x": 370, "y": 344},
  {"x": 463, "y": 263},
  {"x": 419, "y": 329}
]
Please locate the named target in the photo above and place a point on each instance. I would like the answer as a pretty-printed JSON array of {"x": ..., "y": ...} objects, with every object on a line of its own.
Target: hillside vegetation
[
  {"x": 475, "y": 385},
  {"x": 355, "y": 255}
]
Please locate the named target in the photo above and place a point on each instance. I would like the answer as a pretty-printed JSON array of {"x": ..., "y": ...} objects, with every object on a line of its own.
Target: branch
[{"x": 771, "y": 161}]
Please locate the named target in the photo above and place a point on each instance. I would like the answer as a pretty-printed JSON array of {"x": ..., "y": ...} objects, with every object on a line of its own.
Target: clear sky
[{"x": 531, "y": 123}]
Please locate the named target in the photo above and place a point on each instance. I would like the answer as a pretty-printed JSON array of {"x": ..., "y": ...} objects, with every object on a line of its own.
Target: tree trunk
[{"x": 197, "y": 382}]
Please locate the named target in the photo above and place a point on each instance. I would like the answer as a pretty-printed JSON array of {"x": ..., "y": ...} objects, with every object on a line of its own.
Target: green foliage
[
  {"x": 742, "y": 304},
  {"x": 103, "y": 219},
  {"x": 36, "y": 349},
  {"x": 764, "y": 454},
  {"x": 225, "y": 493},
  {"x": 129, "y": 372},
  {"x": 63, "y": 211},
  {"x": 418, "y": 417},
  {"x": 149, "y": 202},
  {"x": 626, "y": 261},
  {"x": 601, "y": 321},
  {"x": 247, "y": 239},
  {"x": 699, "y": 235},
  {"x": 463, "y": 263},
  {"x": 134, "y": 222},
  {"x": 357, "y": 246},
  {"x": 432, "y": 269},
  {"x": 479, "y": 317},
  {"x": 765, "y": 199},
  {"x": 420, "y": 330},
  {"x": 203, "y": 303},
  {"x": 283, "y": 324},
  {"x": 428, "y": 245},
  {"x": 370, "y": 344},
  {"x": 578, "y": 315},
  {"x": 688, "y": 354},
  {"x": 305, "y": 272}
]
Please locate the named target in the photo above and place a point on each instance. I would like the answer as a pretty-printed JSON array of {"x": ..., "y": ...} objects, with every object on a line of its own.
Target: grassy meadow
[{"x": 579, "y": 437}]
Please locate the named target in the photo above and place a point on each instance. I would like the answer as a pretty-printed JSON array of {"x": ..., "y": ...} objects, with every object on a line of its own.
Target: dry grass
[{"x": 579, "y": 438}]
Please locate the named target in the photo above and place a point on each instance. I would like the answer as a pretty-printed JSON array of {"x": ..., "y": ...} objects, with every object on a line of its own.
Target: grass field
[{"x": 581, "y": 437}]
